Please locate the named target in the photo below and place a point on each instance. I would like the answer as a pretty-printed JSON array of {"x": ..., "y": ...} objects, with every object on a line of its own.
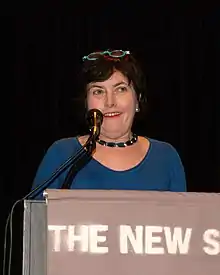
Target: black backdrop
[{"x": 41, "y": 51}]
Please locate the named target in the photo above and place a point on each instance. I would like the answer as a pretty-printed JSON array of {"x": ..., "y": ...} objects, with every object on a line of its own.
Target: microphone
[{"x": 94, "y": 118}]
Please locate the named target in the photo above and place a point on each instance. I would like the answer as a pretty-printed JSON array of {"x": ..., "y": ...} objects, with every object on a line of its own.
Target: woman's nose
[{"x": 110, "y": 100}]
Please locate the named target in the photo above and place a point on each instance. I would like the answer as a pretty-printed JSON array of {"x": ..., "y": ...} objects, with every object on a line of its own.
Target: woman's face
[{"x": 116, "y": 99}]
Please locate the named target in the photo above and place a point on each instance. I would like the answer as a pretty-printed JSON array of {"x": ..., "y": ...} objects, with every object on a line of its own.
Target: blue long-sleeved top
[{"x": 160, "y": 170}]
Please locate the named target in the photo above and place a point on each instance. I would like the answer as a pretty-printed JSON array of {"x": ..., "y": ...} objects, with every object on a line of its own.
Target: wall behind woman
[{"x": 179, "y": 53}]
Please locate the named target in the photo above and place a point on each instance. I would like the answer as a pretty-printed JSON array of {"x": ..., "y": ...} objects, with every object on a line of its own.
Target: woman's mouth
[{"x": 112, "y": 114}]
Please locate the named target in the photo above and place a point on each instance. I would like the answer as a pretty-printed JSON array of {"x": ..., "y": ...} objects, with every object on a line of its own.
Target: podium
[{"x": 122, "y": 232}]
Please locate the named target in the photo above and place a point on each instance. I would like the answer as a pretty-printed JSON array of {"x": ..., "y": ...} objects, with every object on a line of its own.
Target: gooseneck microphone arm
[{"x": 78, "y": 160}]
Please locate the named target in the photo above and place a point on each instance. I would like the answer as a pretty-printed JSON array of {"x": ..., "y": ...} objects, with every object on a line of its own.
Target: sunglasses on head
[{"x": 113, "y": 54}]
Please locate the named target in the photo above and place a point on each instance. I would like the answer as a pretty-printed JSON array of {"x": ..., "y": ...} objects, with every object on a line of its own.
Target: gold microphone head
[{"x": 95, "y": 119}]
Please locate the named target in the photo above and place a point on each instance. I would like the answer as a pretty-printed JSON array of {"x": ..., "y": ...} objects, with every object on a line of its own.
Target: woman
[{"x": 114, "y": 84}]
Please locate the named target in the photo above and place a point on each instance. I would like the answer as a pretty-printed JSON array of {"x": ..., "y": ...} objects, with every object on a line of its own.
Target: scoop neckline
[{"x": 145, "y": 158}]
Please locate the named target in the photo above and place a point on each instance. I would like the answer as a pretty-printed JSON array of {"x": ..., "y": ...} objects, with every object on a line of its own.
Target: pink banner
[{"x": 133, "y": 232}]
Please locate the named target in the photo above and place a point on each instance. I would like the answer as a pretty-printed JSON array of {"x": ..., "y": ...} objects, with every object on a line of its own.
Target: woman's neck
[{"x": 116, "y": 139}]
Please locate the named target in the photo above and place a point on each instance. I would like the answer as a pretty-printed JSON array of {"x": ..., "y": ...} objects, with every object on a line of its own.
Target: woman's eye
[
  {"x": 122, "y": 89},
  {"x": 98, "y": 92}
]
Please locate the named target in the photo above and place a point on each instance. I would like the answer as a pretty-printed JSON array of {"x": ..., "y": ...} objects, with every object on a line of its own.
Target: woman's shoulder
[
  {"x": 162, "y": 148},
  {"x": 67, "y": 141},
  {"x": 159, "y": 144},
  {"x": 67, "y": 144}
]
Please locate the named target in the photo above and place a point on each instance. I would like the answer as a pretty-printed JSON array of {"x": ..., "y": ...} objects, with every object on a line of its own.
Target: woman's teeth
[{"x": 112, "y": 114}]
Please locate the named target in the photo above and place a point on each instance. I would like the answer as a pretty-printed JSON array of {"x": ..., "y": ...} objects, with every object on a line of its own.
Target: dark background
[{"x": 41, "y": 50}]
